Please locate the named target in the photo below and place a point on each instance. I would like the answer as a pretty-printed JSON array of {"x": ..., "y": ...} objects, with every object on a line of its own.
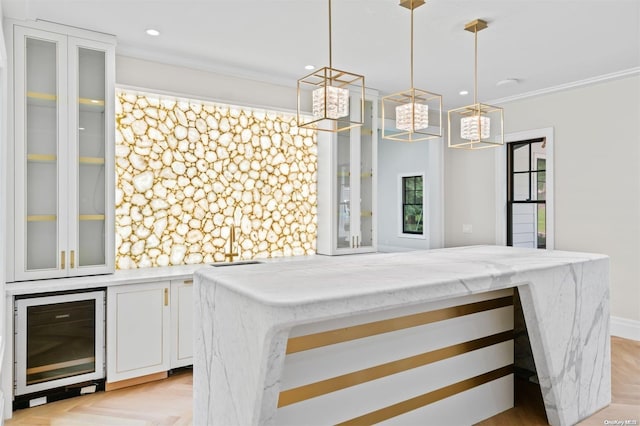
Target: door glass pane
[
  {"x": 60, "y": 340},
  {"x": 542, "y": 225},
  {"x": 539, "y": 186},
  {"x": 91, "y": 149},
  {"x": 538, "y": 153},
  {"x": 540, "y": 179},
  {"x": 343, "y": 193},
  {"x": 520, "y": 158},
  {"x": 366, "y": 177},
  {"x": 521, "y": 186},
  {"x": 42, "y": 149}
]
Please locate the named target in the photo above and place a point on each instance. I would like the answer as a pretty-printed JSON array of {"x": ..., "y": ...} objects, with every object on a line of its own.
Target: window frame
[{"x": 401, "y": 191}]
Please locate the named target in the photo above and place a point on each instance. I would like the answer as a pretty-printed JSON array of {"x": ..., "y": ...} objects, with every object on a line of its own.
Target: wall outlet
[{"x": 467, "y": 228}]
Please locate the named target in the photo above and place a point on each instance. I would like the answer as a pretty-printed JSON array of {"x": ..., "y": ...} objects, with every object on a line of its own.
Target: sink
[{"x": 239, "y": 263}]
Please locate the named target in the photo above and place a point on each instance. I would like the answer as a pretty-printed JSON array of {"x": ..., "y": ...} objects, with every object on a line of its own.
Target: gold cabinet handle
[
  {"x": 188, "y": 282},
  {"x": 166, "y": 297},
  {"x": 62, "y": 260},
  {"x": 72, "y": 259}
]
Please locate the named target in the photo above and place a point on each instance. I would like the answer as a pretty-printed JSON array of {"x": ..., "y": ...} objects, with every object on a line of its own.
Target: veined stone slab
[{"x": 243, "y": 315}]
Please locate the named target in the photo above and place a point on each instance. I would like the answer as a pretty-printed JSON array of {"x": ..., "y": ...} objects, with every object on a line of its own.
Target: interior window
[{"x": 412, "y": 205}]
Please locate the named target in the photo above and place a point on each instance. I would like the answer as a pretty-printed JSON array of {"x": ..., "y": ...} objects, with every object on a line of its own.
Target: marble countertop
[
  {"x": 339, "y": 277},
  {"x": 121, "y": 277}
]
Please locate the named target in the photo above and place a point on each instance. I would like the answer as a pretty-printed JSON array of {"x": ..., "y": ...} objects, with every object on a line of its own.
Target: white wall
[
  {"x": 398, "y": 158},
  {"x": 3, "y": 202},
  {"x": 597, "y": 179},
  {"x": 203, "y": 85}
]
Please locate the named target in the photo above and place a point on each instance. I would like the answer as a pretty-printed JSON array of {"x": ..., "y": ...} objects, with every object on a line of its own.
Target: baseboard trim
[
  {"x": 625, "y": 328},
  {"x": 136, "y": 381}
]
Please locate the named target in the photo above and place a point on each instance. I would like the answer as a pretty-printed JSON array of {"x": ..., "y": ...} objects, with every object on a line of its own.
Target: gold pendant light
[
  {"x": 476, "y": 126},
  {"x": 417, "y": 113},
  {"x": 335, "y": 98}
]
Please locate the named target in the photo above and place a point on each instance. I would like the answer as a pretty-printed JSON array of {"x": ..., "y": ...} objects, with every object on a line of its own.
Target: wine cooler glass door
[{"x": 59, "y": 341}]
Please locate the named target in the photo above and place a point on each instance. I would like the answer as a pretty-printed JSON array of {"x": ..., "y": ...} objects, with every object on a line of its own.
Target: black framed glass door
[{"x": 526, "y": 194}]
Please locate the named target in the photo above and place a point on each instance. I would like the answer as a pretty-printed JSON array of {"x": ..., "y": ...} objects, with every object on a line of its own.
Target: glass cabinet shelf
[
  {"x": 93, "y": 102},
  {"x": 41, "y": 218},
  {"x": 49, "y": 158},
  {"x": 42, "y": 96},
  {"x": 91, "y": 217},
  {"x": 53, "y": 97},
  {"x": 91, "y": 160},
  {"x": 41, "y": 158},
  {"x": 91, "y": 105}
]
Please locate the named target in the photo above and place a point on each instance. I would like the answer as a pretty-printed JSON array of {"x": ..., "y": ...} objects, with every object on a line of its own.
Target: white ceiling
[{"x": 542, "y": 43}]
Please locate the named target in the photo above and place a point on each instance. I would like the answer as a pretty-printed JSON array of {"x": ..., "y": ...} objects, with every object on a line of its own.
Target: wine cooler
[{"x": 59, "y": 341}]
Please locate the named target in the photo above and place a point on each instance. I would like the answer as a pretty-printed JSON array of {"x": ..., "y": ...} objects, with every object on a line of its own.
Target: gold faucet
[{"x": 230, "y": 255}]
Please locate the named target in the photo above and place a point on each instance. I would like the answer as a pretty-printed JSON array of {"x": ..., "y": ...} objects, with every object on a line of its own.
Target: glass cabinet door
[
  {"x": 355, "y": 182},
  {"x": 91, "y": 143},
  {"x": 42, "y": 159},
  {"x": 343, "y": 229},
  {"x": 64, "y": 149},
  {"x": 366, "y": 177},
  {"x": 39, "y": 94}
]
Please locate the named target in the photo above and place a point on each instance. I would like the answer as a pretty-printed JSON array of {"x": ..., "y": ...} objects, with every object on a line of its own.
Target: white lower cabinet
[
  {"x": 181, "y": 323},
  {"x": 138, "y": 330}
]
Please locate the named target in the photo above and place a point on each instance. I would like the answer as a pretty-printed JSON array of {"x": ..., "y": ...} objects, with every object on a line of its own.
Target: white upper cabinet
[
  {"x": 63, "y": 133},
  {"x": 347, "y": 176}
]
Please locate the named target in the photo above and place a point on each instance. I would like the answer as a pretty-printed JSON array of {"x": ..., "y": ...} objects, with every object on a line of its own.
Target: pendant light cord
[
  {"x": 475, "y": 66},
  {"x": 330, "y": 63},
  {"x": 411, "y": 44}
]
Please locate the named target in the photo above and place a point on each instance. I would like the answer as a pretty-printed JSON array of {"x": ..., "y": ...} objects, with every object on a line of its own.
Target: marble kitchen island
[{"x": 408, "y": 338}]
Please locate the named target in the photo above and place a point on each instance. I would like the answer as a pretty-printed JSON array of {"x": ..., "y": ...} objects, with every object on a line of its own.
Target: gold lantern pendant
[
  {"x": 334, "y": 97},
  {"x": 476, "y": 126},
  {"x": 417, "y": 112}
]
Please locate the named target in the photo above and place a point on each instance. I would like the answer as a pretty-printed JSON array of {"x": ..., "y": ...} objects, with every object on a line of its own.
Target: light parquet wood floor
[{"x": 168, "y": 402}]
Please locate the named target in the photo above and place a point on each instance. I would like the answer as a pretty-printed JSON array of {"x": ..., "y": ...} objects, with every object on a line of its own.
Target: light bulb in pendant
[
  {"x": 336, "y": 99},
  {"x": 475, "y": 127},
  {"x": 412, "y": 116}
]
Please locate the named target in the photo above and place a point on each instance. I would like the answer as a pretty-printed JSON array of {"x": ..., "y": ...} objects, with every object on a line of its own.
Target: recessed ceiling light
[
  {"x": 507, "y": 81},
  {"x": 153, "y": 32},
  {"x": 463, "y": 92},
  {"x": 309, "y": 67}
]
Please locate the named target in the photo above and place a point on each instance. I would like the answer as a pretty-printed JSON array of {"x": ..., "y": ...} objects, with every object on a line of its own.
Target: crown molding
[
  {"x": 178, "y": 60},
  {"x": 571, "y": 85}
]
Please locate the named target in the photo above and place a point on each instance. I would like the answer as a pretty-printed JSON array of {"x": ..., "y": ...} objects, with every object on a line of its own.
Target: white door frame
[{"x": 501, "y": 183}]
